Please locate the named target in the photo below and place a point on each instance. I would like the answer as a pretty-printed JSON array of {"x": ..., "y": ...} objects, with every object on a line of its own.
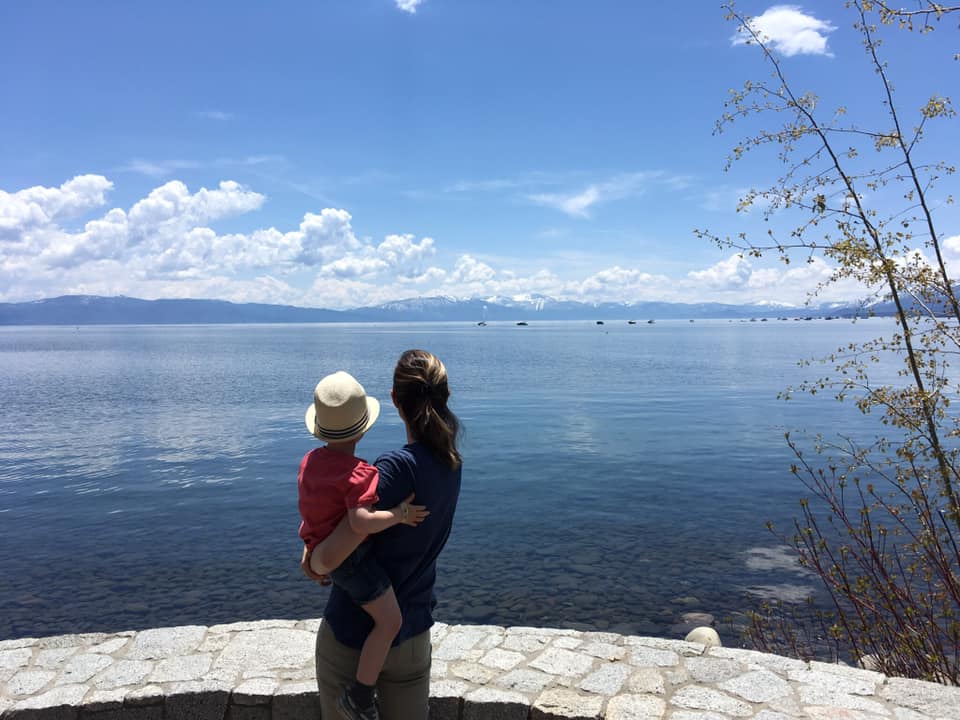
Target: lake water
[{"x": 615, "y": 477}]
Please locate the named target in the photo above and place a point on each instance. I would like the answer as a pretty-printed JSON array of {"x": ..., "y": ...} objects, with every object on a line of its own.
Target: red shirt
[{"x": 330, "y": 483}]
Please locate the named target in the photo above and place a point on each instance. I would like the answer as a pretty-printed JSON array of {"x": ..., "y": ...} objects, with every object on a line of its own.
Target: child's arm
[{"x": 365, "y": 521}]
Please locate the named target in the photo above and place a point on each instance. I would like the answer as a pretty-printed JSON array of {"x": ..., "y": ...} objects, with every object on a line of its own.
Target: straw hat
[{"x": 341, "y": 410}]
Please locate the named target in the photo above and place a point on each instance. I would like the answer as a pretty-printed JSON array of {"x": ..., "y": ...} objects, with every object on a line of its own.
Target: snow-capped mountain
[{"x": 88, "y": 309}]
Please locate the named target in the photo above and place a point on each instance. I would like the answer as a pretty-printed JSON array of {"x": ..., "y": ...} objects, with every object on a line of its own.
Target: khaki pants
[{"x": 404, "y": 684}]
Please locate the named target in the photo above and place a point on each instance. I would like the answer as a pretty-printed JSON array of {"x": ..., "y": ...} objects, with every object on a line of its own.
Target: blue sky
[{"x": 338, "y": 154}]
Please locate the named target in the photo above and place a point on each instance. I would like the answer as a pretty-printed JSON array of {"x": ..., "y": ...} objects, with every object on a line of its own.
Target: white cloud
[
  {"x": 250, "y": 160},
  {"x": 398, "y": 254},
  {"x": 215, "y": 115},
  {"x": 734, "y": 272},
  {"x": 575, "y": 205},
  {"x": 494, "y": 185},
  {"x": 788, "y": 30},
  {"x": 353, "y": 266},
  {"x": 409, "y": 6},
  {"x": 432, "y": 275},
  {"x": 164, "y": 168},
  {"x": 38, "y": 206},
  {"x": 401, "y": 253},
  {"x": 158, "y": 169},
  {"x": 326, "y": 236},
  {"x": 470, "y": 270},
  {"x": 951, "y": 254},
  {"x": 173, "y": 202},
  {"x": 167, "y": 245},
  {"x": 738, "y": 280},
  {"x": 578, "y": 204},
  {"x": 617, "y": 283}
]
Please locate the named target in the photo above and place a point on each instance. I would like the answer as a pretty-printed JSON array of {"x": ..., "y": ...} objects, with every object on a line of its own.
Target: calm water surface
[{"x": 616, "y": 476}]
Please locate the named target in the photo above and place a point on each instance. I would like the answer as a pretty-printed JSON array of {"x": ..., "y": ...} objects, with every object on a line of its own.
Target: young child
[{"x": 332, "y": 483}]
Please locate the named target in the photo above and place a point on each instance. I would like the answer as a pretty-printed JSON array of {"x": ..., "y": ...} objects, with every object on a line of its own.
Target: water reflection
[{"x": 616, "y": 481}]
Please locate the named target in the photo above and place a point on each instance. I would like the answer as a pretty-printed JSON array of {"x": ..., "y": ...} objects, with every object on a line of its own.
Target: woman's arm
[
  {"x": 366, "y": 521},
  {"x": 333, "y": 549}
]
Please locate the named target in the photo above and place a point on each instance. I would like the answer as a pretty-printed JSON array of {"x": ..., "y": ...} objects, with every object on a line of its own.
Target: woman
[{"x": 428, "y": 466}]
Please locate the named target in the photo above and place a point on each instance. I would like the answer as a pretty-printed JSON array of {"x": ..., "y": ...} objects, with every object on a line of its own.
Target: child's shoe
[{"x": 352, "y": 711}]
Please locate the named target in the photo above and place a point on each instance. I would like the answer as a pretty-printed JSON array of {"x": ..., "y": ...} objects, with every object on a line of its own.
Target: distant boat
[
  {"x": 631, "y": 322},
  {"x": 482, "y": 323},
  {"x": 650, "y": 322},
  {"x": 521, "y": 323},
  {"x": 691, "y": 319},
  {"x": 599, "y": 322}
]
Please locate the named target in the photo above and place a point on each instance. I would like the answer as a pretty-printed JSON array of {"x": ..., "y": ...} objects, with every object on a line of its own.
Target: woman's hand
[
  {"x": 409, "y": 514},
  {"x": 305, "y": 566}
]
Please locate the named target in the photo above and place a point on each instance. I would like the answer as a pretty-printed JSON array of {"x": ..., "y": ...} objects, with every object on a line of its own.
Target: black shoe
[{"x": 351, "y": 711}]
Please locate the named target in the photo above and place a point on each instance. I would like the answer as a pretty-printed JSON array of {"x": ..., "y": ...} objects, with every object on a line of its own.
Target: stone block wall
[{"x": 265, "y": 671}]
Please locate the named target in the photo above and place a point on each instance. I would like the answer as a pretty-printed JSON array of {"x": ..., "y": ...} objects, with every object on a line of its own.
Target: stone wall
[{"x": 265, "y": 671}]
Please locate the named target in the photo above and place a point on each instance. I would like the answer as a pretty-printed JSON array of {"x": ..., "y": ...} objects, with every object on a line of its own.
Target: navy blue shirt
[{"x": 407, "y": 554}]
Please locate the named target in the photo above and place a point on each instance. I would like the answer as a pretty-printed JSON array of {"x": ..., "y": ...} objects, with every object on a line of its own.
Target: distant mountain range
[{"x": 95, "y": 310}]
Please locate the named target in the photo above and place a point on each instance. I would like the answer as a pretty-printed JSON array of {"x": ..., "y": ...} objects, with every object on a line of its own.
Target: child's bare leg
[
  {"x": 334, "y": 549},
  {"x": 386, "y": 624}
]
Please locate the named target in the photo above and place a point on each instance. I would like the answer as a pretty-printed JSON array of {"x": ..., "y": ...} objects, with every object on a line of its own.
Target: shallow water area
[{"x": 616, "y": 477}]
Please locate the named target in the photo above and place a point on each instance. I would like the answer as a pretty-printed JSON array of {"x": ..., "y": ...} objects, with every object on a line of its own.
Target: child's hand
[
  {"x": 308, "y": 571},
  {"x": 409, "y": 514}
]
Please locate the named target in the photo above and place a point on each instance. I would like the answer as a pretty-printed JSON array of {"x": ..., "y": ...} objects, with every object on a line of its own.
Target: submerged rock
[{"x": 705, "y": 636}]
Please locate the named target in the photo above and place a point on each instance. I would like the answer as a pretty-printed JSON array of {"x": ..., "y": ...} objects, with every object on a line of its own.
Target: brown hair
[{"x": 421, "y": 392}]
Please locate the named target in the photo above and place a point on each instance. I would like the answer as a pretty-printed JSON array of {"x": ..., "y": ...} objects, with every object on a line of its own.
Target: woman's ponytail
[{"x": 421, "y": 392}]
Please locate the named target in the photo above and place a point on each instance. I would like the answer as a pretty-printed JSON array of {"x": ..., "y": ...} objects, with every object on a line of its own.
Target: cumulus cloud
[
  {"x": 432, "y": 275},
  {"x": 399, "y": 254},
  {"x": 734, "y": 272},
  {"x": 38, "y": 206},
  {"x": 470, "y": 270},
  {"x": 164, "y": 232},
  {"x": 167, "y": 245},
  {"x": 788, "y": 30},
  {"x": 403, "y": 254},
  {"x": 166, "y": 242},
  {"x": 619, "y": 282},
  {"x": 173, "y": 202},
  {"x": 353, "y": 266},
  {"x": 325, "y": 236},
  {"x": 409, "y": 6},
  {"x": 738, "y": 280}
]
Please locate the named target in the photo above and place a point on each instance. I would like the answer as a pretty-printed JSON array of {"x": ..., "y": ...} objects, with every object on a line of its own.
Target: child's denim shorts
[{"x": 361, "y": 576}]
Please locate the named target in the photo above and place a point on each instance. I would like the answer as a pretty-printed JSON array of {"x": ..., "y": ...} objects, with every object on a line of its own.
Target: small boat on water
[
  {"x": 481, "y": 324},
  {"x": 650, "y": 322},
  {"x": 599, "y": 322},
  {"x": 631, "y": 322},
  {"x": 522, "y": 323}
]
